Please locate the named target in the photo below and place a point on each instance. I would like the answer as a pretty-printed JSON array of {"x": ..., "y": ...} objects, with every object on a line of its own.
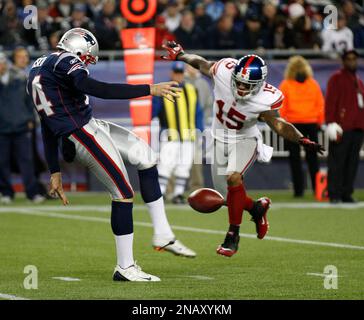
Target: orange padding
[
  {"x": 138, "y": 38},
  {"x": 141, "y": 112},
  {"x": 143, "y": 132},
  {"x": 321, "y": 186}
]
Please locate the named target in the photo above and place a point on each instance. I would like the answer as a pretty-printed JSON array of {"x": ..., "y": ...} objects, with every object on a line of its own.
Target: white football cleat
[
  {"x": 174, "y": 246},
  {"x": 132, "y": 273}
]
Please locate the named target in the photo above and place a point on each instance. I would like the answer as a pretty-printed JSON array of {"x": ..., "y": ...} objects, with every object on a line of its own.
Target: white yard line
[
  {"x": 11, "y": 297},
  {"x": 105, "y": 208},
  {"x": 324, "y": 275},
  {"x": 66, "y": 279},
  {"x": 32, "y": 212},
  {"x": 198, "y": 277}
]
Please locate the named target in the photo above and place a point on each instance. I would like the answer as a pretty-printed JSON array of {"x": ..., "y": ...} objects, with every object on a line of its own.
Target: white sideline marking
[
  {"x": 66, "y": 279},
  {"x": 200, "y": 277},
  {"x": 322, "y": 275},
  {"x": 182, "y": 228},
  {"x": 11, "y": 297},
  {"x": 274, "y": 206}
]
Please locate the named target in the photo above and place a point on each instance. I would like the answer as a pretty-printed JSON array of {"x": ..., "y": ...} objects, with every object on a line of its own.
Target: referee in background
[{"x": 179, "y": 121}]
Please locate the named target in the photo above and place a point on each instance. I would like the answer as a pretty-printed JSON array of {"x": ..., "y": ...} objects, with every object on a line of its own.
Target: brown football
[{"x": 206, "y": 200}]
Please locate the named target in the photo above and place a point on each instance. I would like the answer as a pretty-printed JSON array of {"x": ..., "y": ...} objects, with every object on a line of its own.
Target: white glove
[{"x": 334, "y": 131}]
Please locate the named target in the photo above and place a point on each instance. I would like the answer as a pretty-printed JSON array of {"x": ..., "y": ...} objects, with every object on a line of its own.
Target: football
[{"x": 206, "y": 200}]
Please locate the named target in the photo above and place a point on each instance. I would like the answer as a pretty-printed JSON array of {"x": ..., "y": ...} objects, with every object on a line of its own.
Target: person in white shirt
[{"x": 339, "y": 39}]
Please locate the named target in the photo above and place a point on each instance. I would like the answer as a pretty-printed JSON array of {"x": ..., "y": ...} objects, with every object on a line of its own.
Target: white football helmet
[{"x": 82, "y": 43}]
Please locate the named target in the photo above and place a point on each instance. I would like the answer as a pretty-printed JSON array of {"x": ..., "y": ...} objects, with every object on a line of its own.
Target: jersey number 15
[{"x": 235, "y": 118}]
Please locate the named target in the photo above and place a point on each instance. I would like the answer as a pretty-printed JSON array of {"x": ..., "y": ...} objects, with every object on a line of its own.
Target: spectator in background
[
  {"x": 172, "y": 15},
  {"x": 178, "y": 121},
  {"x": 40, "y": 37},
  {"x": 188, "y": 34},
  {"x": 54, "y": 39},
  {"x": 61, "y": 9},
  {"x": 232, "y": 10},
  {"x": 11, "y": 28},
  {"x": 222, "y": 35},
  {"x": 16, "y": 123},
  {"x": 78, "y": 19},
  {"x": 214, "y": 8},
  {"x": 269, "y": 18},
  {"x": 303, "y": 106},
  {"x": 107, "y": 30},
  {"x": 339, "y": 39},
  {"x": 351, "y": 14},
  {"x": 162, "y": 34},
  {"x": 252, "y": 36},
  {"x": 283, "y": 36},
  {"x": 304, "y": 37},
  {"x": 345, "y": 127},
  {"x": 94, "y": 8},
  {"x": 202, "y": 20},
  {"x": 355, "y": 22},
  {"x": 20, "y": 63}
]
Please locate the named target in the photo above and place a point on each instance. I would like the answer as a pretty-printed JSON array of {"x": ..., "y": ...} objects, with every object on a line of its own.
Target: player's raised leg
[
  {"x": 138, "y": 153},
  {"x": 95, "y": 150},
  {"x": 240, "y": 156}
]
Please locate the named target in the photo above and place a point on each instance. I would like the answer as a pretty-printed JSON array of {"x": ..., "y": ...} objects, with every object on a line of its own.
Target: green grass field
[{"x": 77, "y": 242}]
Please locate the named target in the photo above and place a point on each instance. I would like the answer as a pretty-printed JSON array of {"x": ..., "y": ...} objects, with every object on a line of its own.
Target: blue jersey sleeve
[
  {"x": 71, "y": 67},
  {"x": 50, "y": 143}
]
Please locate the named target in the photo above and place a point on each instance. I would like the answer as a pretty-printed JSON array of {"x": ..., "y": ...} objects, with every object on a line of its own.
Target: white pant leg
[
  {"x": 242, "y": 155},
  {"x": 219, "y": 166},
  {"x": 185, "y": 159},
  {"x": 96, "y": 150},
  {"x": 168, "y": 158},
  {"x": 132, "y": 148}
]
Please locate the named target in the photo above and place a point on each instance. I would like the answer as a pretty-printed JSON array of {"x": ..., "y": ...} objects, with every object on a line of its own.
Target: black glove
[{"x": 311, "y": 145}]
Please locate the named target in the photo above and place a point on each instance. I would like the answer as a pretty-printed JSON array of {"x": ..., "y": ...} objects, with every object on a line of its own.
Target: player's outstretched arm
[
  {"x": 176, "y": 52},
  {"x": 105, "y": 90},
  {"x": 288, "y": 131}
]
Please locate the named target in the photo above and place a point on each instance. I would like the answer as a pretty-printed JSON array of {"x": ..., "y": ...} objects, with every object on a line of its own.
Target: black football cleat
[{"x": 230, "y": 245}]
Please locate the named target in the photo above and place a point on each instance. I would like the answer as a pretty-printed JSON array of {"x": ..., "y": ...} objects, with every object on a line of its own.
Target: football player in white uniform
[{"x": 242, "y": 98}]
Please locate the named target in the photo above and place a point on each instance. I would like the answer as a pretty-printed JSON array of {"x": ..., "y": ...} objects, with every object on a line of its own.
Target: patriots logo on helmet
[{"x": 87, "y": 37}]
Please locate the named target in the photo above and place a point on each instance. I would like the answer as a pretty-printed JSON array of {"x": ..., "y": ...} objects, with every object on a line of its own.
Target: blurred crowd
[{"x": 196, "y": 24}]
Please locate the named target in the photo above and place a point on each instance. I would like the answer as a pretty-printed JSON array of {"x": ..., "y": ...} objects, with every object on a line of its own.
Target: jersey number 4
[
  {"x": 39, "y": 97},
  {"x": 235, "y": 120}
]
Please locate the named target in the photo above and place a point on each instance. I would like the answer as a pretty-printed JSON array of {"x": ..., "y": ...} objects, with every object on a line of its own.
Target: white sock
[
  {"x": 159, "y": 218},
  {"x": 124, "y": 250}
]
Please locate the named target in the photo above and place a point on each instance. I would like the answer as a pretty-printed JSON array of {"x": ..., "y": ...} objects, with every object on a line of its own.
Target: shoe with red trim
[
  {"x": 230, "y": 245},
  {"x": 260, "y": 216}
]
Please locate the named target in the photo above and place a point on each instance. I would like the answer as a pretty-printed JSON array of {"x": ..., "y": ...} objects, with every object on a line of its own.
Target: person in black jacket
[{"x": 16, "y": 123}]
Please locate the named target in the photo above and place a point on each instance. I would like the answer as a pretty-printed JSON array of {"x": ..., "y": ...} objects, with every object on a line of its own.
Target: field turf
[{"x": 77, "y": 242}]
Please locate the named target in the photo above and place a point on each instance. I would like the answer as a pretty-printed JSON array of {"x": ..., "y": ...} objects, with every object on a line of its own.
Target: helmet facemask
[{"x": 244, "y": 89}]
